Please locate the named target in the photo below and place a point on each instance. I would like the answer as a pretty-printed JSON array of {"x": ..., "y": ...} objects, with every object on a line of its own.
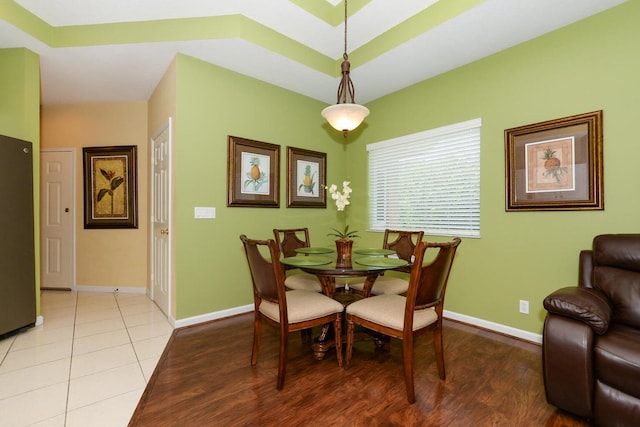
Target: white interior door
[
  {"x": 57, "y": 218},
  {"x": 161, "y": 217}
]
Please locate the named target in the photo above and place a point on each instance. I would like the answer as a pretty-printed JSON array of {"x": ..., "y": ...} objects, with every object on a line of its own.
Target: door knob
[{"x": 164, "y": 231}]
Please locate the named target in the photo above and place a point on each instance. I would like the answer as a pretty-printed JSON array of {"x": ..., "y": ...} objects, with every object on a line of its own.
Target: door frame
[{"x": 74, "y": 177}]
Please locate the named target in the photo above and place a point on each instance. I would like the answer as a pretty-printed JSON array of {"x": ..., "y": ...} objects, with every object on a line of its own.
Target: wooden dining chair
[
  {"x": 288, "y": 240},
  {"x": 404, "y": 244},
  {"x": 411, "y": 316},
  {"x": 288, "y": 311}
]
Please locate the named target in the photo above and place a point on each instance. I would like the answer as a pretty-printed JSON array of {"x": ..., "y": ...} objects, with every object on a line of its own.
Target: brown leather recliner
[{"x": 591, "y": 338}]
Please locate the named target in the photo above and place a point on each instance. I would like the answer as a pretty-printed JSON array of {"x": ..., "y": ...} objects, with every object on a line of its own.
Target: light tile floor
[{"x": 86, "y": 365}]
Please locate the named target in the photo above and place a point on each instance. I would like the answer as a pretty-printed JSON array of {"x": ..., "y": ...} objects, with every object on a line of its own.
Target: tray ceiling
[{"x": 117, "y": 50}]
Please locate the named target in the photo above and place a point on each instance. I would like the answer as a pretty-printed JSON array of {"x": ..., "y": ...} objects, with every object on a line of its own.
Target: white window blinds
[{"x": 427, "y": 181}]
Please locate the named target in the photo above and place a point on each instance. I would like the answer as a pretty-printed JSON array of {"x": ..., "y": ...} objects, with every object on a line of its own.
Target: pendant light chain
[{"x": 345, "y": 56}]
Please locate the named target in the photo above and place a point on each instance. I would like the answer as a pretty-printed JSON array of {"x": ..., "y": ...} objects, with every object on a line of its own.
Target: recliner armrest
[{"x": 587, "y": 305}]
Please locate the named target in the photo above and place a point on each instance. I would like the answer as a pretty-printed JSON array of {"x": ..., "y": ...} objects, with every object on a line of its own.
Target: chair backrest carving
[
  {"x": 404, "y": 244},
  {"x": 290, "y": 239}
]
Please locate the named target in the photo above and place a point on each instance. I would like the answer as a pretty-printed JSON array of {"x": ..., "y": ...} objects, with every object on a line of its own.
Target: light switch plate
[{"x": 204, "y": 212}]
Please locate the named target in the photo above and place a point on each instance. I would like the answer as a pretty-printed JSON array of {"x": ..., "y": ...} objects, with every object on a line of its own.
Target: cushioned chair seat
[
  {"x": 384, "y": 285},
  {"x": 308, "y": 282},
  {"x": 388, "y": 310},
  {"x": 617, "y": 359},
  {"x": 301, "y": 306},
  {"x": 303, "y": 281}
]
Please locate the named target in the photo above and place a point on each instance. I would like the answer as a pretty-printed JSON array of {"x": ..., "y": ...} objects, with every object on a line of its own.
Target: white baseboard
[
  {"x": 111, "y": 289},
  {"x": 492, "y": 326},
  {"x": 474, "y": 321},
  {"x": 213, "y": 316},
  {"x": 39, "y": 320}
]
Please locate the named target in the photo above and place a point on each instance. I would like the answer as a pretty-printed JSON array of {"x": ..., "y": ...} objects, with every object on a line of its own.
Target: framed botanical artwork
[
  {"x": 306, "y": 171},
  {"x": 253, "y": 173},
  {"x": 110, "y": 187},
  {"x": 555, "y": 165}
]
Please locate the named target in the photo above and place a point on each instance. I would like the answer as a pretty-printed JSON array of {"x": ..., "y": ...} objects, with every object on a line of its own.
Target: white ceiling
[{"x": 130, "y": 72}]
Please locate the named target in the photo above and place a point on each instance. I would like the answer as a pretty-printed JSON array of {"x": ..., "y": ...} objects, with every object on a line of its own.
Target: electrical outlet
[{"x": 524, "y": 306}]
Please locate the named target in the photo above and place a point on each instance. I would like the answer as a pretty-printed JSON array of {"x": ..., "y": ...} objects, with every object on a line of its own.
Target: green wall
[
  {"x": 587, "y": 66},
  {"x": 212, "y": 103},
  {"x": 591, "y": 65},
  {"x": 20, "y": 118},
  {"x": 20, "y": 89}
]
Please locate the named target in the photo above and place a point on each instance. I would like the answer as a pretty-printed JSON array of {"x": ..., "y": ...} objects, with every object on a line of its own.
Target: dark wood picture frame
[
  {"x": 253, "y": 173},
  {"x": 555, "y": 165},
  {"x": 110, "y": 187},
  {"x": 306, "y": 176}
]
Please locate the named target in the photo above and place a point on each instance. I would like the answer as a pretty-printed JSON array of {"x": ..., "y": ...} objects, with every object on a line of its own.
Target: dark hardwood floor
[{"x": 204, "y": 378}]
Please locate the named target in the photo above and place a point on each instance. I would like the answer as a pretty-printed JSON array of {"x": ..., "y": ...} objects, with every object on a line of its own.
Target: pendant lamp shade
[{"x": 345, "y": 117}]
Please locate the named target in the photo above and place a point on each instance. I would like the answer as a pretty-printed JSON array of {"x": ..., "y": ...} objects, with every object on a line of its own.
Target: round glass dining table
[{"x": 324, "y": 263}]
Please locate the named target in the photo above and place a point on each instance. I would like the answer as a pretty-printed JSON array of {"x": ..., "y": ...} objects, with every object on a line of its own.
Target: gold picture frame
[
  {"x": 253, "y": 173},
  {"x": 110, "y": 187},
  {"x": 306, "y": 172},
  {"x": 555, "y": 165}
]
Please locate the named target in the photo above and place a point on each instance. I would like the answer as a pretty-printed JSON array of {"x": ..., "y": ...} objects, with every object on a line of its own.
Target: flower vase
[{"x": 343, "y": 247}]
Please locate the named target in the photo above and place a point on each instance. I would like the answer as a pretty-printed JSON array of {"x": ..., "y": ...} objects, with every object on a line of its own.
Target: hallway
[{"x": 86, "y": 365}]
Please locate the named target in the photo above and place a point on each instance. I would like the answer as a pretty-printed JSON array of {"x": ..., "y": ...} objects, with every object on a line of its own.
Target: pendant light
[{"x": 345, "y": 115}]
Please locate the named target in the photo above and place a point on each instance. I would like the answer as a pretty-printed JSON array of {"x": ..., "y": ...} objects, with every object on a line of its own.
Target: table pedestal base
[
  {"x": 320, "y": 348},
  {"x": 326, "y": 340}
]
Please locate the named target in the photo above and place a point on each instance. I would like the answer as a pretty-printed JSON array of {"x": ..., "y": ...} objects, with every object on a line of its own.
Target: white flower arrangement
[{"x": 342, "y": 201}]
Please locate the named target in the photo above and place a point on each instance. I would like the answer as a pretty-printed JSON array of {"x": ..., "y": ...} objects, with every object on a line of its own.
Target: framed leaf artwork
[{"x": 110, "y": 187}]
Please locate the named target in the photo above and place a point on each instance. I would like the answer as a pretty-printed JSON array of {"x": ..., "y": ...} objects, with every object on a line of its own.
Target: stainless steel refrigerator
[{"x": 17, "y": 248}]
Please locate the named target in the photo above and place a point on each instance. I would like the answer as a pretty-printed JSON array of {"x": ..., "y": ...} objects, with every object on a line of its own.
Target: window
[{"x": 427, "y": 181}]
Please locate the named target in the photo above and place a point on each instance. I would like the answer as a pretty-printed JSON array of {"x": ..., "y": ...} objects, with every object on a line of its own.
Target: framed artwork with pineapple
[
  {"x": 306, "y": 171},
  {"x": 253, "y": 173},
  {"x": 555, "y": 165}
]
